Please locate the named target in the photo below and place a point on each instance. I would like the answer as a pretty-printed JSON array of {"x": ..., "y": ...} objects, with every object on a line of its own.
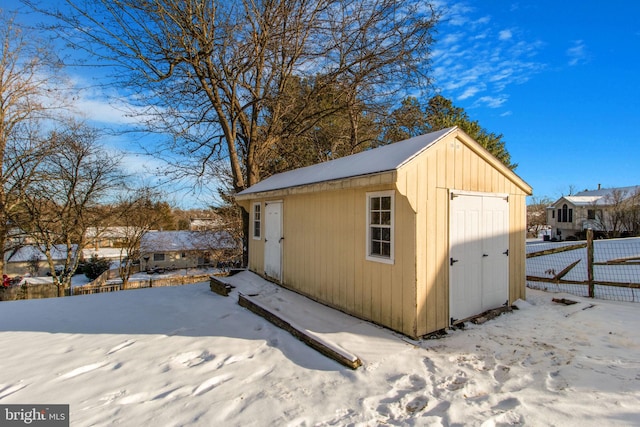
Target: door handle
[
  {"x": 452, "y": 261},
  {"x": 485, "y": 255}
]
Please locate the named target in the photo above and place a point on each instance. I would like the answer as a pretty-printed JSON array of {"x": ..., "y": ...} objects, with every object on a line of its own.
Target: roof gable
[{"x": 382, "y": 159}]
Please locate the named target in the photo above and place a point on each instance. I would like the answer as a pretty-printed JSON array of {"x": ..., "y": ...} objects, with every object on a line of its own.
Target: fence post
[{"x": 592, "y": 292}]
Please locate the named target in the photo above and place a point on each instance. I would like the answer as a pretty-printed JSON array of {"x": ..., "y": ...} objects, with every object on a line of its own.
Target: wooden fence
[
  {"x": 608, "y": 269},
  {"x": 100, "y": 287}
]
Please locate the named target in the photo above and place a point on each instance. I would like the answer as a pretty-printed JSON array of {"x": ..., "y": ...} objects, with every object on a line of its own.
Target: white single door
[
  {"x": 273, "y": 240},
  {"x": 495, "y": 252},
  {"x": 465, "y": 262},
  {"x": 478, "y": 254}
]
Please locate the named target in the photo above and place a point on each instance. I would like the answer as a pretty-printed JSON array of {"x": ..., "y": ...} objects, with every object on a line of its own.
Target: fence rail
[
  {"x": 606, "y": 269},
  {"x": 96, "y": 288}
]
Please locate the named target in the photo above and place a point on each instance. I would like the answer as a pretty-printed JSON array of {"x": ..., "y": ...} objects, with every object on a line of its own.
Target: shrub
[{"x": 95, "y": 267}]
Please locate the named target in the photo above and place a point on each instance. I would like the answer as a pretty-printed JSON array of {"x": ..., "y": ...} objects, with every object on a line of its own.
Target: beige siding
[
  {"x": 324, "y": 256},
  {"x": 324, "y": 251},
  {"x": 453, "y": 164}
]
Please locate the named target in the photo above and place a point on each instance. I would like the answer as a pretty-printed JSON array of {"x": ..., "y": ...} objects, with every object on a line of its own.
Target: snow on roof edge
[{"x": 371, "y": 162}]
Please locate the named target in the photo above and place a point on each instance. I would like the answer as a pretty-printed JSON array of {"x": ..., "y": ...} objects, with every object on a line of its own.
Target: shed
[{"x": 416, "y": 235}]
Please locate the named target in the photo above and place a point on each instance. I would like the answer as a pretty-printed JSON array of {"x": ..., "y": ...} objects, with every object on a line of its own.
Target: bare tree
[
  {"x": 631, "y": 212},
  {"x": 614, "y": 213},
  {"x": 137, "y": 214},
  {"x": 215, "y": 73},
  {"x": 66, "y": 195},
  {"x": 537, "y": 215},
  {"x": 27, "y": 95}
]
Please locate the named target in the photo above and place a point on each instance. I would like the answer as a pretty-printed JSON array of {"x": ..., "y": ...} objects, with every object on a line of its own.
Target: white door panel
[{"x": 273, "y": 240}]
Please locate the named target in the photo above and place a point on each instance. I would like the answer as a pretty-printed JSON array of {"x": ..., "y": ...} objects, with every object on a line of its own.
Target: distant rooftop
[
  {"x": 183, "y": 240},
  {"x": 603, "y": 196}
]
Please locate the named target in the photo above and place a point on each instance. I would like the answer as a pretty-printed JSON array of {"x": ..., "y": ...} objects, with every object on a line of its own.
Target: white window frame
[
  {"x": 254, "y": 221},
  {"x": 380, "y": 258}
]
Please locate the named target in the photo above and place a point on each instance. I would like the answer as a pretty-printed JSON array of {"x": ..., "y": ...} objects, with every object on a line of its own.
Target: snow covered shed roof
[{"x": 382, "y": 159}]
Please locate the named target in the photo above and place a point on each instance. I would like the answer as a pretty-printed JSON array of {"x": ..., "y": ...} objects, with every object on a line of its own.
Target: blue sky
[{"x": 559, "y": 80}]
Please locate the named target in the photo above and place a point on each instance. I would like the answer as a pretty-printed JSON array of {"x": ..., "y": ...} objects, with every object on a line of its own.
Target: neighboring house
[
  {"x": 416, "y": 235},
  {"x": 31, "y": 261},
  {"x": 184, "y": 249},
  {"x": 603, "y": 210},
  {"x": 108, "y": 237}
]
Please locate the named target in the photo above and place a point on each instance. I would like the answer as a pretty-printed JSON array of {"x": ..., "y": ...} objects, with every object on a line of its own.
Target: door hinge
[
  {"x": 452, "y": 261},
  {"x": 506, "y": 252}
]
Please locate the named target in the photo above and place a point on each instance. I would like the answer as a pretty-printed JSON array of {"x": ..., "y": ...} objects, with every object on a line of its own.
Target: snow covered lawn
[{"x": 186, "y": 356}]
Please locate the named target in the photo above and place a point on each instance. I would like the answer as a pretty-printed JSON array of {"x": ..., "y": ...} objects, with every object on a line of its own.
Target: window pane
[
  {"x": 385, "y": 218},
  {"x": 375, "y": 203},
  {"x": 386, "y": 234},
  {"x": 375, "y": 233},
  {"x": 386, "y": 249},
  {"x": 375, "y": 218},
  {"x": 375, "y": 248},
  {"x": 386, "y": 203}
]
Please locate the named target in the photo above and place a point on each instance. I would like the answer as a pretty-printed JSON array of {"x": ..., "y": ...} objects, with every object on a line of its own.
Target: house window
[
  {"x": 256, "y": 221},
  {"x": 158, "y": 257},
  {"x": 594, "y": 214},
  {"x": 380, "y": 222},
  {"x": 553, "y": 214},
  {"x": 565, "y": 214}
]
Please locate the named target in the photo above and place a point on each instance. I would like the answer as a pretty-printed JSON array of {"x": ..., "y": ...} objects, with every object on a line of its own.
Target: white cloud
[
  {"x": 493, "y": 101},
  {"x": 469, "y": 92},
  {"x": 577, "y": 53},
  {"x": 481, "y": 61},
  {"x": 505, "y": 35}
]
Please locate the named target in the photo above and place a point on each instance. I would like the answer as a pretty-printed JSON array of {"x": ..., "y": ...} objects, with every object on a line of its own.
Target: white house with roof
[
  {"x": 416, "y": 235},
  {"x": 30, "y": 260},
  {"x": 602, "y": 210},
  {"x": 185, "y": 249}
]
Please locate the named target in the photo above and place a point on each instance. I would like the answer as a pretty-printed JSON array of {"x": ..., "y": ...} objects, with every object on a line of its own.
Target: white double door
[{"x": 479, "y": 253}]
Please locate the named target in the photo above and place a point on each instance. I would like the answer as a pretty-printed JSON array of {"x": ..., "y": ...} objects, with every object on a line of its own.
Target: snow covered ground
[{"x": 184, "y": 356}]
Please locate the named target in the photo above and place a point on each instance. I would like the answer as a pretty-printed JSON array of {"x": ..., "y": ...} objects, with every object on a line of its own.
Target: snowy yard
[{"x": 186, "y": 356}]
